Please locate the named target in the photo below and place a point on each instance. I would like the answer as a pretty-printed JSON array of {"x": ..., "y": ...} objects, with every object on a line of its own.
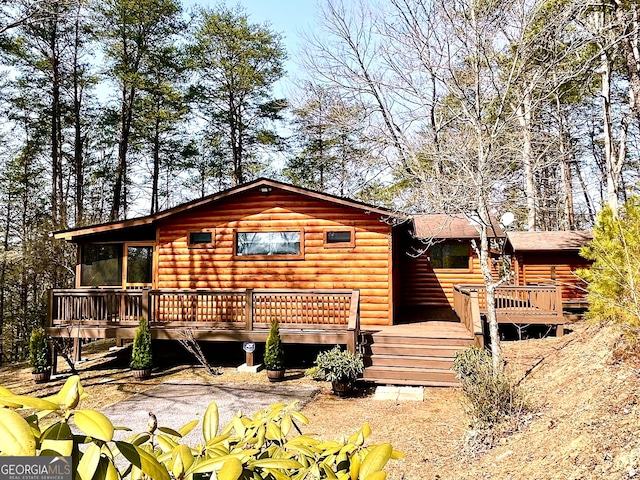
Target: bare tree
[{"x": 443, "y": 82}]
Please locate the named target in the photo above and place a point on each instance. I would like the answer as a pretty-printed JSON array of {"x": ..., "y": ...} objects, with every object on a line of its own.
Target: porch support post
[
  {"x": 145, "y": 304},
  {"x": 249, "y": 359},
  {"x": 476, "y": 318},
  {"x": 248, "y": 309},
  {"x": 50, "y": 307},
  {"x": 560, "y": 327},
  {"x": 77, "y": 349},
  {"x": 54, "y": 358}
]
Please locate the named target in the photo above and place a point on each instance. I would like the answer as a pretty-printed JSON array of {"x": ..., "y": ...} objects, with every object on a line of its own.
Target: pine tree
[{"x": 237, "y": 64}]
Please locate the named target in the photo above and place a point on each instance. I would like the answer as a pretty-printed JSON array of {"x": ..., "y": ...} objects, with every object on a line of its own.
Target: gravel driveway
[{"x": 176, "y": 404}]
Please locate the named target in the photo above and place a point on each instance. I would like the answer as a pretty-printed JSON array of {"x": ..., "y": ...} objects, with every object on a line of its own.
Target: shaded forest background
[{"x": 119, "y": 108}]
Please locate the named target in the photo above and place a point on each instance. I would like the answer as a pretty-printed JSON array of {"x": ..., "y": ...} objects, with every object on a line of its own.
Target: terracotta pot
[
  {"x": 141, "y": 373},
  {"x": 42, "y": 377},
  {"x": 341, "y": 389},
  {"x": 275, "y": 375}
]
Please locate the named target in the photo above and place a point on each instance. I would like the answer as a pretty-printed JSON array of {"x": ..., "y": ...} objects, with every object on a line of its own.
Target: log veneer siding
[
  {"x": 367, "y": 266},
  {"x": 422, "y": 285},
  {"x": 552, "y": 268}
]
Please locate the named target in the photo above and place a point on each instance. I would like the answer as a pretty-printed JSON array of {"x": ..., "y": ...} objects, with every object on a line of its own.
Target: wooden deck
[
  {"x": 305, "y": 316},
  {"x": 418, "y": 352}
]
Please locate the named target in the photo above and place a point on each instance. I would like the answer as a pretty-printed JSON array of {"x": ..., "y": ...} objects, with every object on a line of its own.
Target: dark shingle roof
[
  {"x": 450, "y": 226},
  {"x": 548, "y": 241}
]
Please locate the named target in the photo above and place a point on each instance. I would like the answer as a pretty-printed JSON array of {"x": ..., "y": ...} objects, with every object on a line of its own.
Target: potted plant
[
  {"x": 274, "y": 354},
  {"x": 141, "y": 357},
  {"x": 341, "y": 368},
  {"x": 40, "y": 355}
]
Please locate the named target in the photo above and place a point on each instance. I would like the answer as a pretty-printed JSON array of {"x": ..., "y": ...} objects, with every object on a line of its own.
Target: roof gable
[{"x": 264, "y": 185}]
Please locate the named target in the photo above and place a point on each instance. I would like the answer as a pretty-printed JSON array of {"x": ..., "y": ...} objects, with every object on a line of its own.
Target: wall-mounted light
[{"x": 265, "y": 190}]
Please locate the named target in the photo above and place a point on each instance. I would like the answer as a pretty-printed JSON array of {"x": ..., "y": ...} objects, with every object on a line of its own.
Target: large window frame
[
  {"x": 283, "y": 256},
  {"x": 467, "y": 268},
  {"x": 80, "y": 271},
  {"x": 122, "y": 261}
]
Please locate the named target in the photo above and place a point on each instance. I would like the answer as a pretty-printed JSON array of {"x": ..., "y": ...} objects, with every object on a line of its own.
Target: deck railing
[
  {"x": 467, "y": 307},
  {"x": 95, "y": 306},
  {"x": 543, "y": 302},
  {"x": 216, "y": 309},
  {"x": 540, "y": 300}
]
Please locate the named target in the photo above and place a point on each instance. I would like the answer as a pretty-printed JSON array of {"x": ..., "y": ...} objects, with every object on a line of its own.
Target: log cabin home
[{"x": 406, "y": 291}]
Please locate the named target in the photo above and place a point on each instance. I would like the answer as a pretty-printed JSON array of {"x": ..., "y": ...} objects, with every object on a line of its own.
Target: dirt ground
[{"x": 585, "y": 423}]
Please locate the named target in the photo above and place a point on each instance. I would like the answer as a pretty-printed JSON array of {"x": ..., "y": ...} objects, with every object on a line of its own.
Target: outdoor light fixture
[{"x": 266, "y": 190}]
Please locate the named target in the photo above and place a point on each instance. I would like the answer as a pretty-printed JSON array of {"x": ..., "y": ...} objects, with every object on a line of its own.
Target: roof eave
[{"x": 71, "y": 234}]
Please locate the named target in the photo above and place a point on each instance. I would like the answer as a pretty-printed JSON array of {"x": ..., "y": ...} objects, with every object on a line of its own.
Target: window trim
[
  {"x": 125, "y": 264},
  {"x": 79, "y": 264},
  {"x": 469, "y": 268},
  {"x": 299, "y": 256},
  {"x": 350, "y": 244},
  {"x": 211, "y": 244}
]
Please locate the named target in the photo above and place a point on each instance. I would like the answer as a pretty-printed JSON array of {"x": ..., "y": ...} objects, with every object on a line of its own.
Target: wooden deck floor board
[{"x": 434, "y": 329}]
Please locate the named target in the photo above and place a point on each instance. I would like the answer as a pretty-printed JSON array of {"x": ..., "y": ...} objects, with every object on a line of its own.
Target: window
[
  {"x": 450, "y": 256},
  {"x": 200, "y": 239},
  {"x": 139, "y": 264},
  {"x": 269, "y": 244},
  {"x": 344, "y": 237},
  {"x": 101, "y": 265}
]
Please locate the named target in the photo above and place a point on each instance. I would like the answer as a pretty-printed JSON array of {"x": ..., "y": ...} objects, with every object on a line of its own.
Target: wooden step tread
[
  {"x": 411, "y": 361},
  {"x": 413, "y": 374},
  {"x": 417, "y": 383},
  {"x": 405, "y": 340},
  {"x": 414, "y": 350}
]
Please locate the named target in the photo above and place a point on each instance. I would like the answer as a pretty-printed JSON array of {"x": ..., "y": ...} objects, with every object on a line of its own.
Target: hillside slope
[{"x": 587, "y": 421}]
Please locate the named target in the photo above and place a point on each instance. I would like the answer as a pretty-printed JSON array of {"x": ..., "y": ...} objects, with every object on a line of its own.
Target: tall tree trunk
[
  {"x": 585, "y": 192},
  {"x": 56, "y": 127},
  {"x": 628, "y": 25},
  {"x": 155, "y": 203},
  {"x": 569, "y": 221},
  {"x": 613, "y": 157},
  {"x": 490, "y": 285},
  {"x": 523, "y": 112},
  {"x": 78, "y": 141},
  {"x": 3, "y": 274},
  {"x": 126, "y": 116}
]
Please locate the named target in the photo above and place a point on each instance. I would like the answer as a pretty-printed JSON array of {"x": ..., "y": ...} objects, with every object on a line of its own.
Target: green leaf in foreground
[
  {"x": 16, "y": 438},
  {"x": 143, "y": 460}
]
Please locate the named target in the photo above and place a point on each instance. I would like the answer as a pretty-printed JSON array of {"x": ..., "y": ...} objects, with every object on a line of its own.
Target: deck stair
[{"x": 414, "y": 354}]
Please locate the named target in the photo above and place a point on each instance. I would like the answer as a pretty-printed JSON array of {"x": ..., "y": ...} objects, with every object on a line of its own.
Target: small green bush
[
  {"x": 39, "y": 351},
  {"x": 141, "y": 356},
  {"x": 273, "y": 351},
  {"x": 313, "y": 373},
  {"x": 492, "y": 397},
  {"x": 341, "y": 366}
]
